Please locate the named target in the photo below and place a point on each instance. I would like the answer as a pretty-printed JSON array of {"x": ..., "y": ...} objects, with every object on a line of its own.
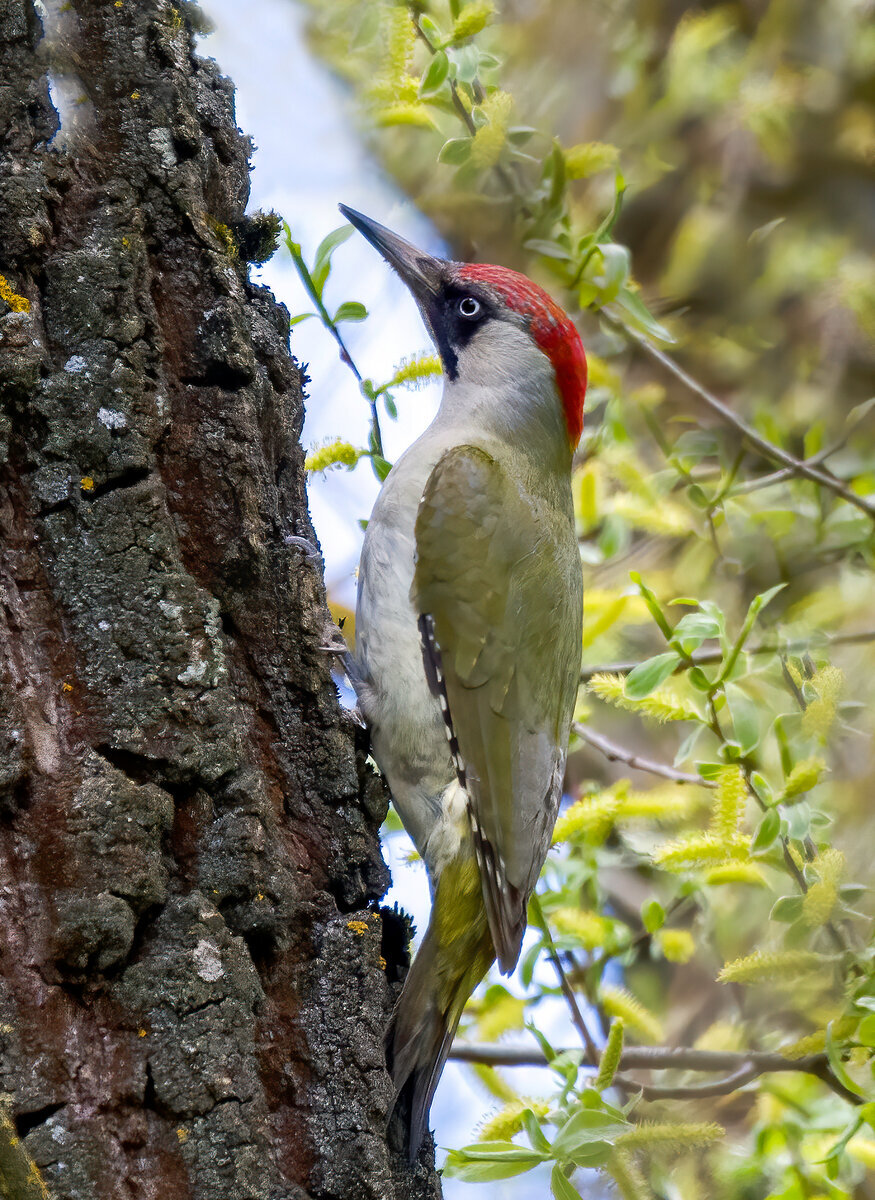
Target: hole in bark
[
  {"x": 136, "y": 766},
  {"x": 394, "y": 942},
  {"x": 123, "y": 480},
  {"x": 220, "y": 375},
  {"x": 24, "y": 1122}
]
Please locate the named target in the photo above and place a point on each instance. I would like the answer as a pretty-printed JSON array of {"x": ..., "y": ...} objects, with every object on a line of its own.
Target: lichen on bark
[{"x": 194, "y": 972}]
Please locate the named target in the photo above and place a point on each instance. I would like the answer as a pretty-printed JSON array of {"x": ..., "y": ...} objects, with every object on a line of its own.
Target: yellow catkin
[
  {"x": 804, "y": 776},
  {"x": 617, "y": 1002},
  {"x": 763, "y": 967},
  {"x": 404, "y": 114},
  {"x": 627, "y": 1175},
  {"x": 663, "y": 704},
  {"x": 818, "y": 718},
  {"x": 813, "y": 1043},
  {"x": 677, "y": 945},
  {"x": 821, "y": 897},
  {"x": 735, "y": 872},
  {"x": 400, "y": 36},
  {"x": 610, "y": 1059},
  {"x": 16, "y": 303},
  {"x": 490, "y": 138},
  {"x": 591, "y": 817},
  {"x": 332, "y": 454},
  {"x": 700, "y": 850},
  {"x": 588, "y": 158},
  {"x": 721, "y": 1035},
  {"x": 669, "y": 1136},
  {"x": 414, "y": 371},
  {"x": 494, "y": 1082},
  {"x": 668, "y": 804},
  {"x": 730, "y": 797},
  {"x": 472, "y": 19},
  {"x": 502, "y": 1125},
  {"x": 501, "y": 1015},
  {"x": 591, "y": 929}
]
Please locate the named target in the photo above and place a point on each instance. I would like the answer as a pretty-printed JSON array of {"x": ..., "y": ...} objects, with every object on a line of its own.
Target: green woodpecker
[{"x": 468, "y": 632}]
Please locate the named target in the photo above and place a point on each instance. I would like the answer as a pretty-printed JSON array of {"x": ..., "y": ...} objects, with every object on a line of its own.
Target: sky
[{"x": 307, "y": 160}]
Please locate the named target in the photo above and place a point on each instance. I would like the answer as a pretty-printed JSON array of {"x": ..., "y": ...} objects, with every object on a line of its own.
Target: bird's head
[{"x": 492, "y": 327}]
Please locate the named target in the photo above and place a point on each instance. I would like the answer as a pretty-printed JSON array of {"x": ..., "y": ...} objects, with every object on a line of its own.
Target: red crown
[{"x": 552, "y": 329}]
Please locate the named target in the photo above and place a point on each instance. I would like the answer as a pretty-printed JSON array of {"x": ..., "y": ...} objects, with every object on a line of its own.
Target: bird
[{"x": 469, "y": 630}]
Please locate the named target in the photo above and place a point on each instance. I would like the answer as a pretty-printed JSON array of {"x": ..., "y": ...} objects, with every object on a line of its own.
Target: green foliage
[{"x": 719, "y": 205}]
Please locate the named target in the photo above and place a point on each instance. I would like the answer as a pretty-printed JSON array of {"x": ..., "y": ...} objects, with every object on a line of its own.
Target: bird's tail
[{"x": 454, "y": 956}]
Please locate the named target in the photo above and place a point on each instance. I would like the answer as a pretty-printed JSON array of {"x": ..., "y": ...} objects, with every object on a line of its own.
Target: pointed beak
[{"x": 420, "y": 271}]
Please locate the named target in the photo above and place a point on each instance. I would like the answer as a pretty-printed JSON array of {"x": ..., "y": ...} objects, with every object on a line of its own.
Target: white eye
[{"x": 469, "y": 307}]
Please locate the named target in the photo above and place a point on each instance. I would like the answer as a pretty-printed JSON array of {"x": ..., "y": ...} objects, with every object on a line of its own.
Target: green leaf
[
  {"x": 640, "y": 315},
  {"x": 435, "y": 76},
  {"x": 693, "y": 629},
  {"x": 550, "y": 249},
  {"x": 745, "y": 718},
  {"x": 653, "y": 605},
  {"x": 534, "y": 1131},
  {"x": 866, "y": 1030},
  {"x": 648, "y": 675},
  {"x": 759, "y": 602},
  {"x": 299, "y": 318},
  {"x": 561, "y": 1187},
  {"x": 351, "y": 310},
  {"x": 652, "y": 916},
  {"x": 381, "y": 466},
  {"x": 787, "y": 909},
  {"x": 838, "y": 1067},
  {"x": 616, "y": 264},
  {"x": 585, "y": 1127},
  {"x": 455, "y": 151},
  {"x": 501, "y": 1151},
  {"x": 485, "y": 1170},
  {"x": 430, "y": 30},
  {"x": 518, "y": 135},
  {"x": 329, "y": 244},
  {"x": 762, "y": 787},
  {"x": 767, "y": 830}
]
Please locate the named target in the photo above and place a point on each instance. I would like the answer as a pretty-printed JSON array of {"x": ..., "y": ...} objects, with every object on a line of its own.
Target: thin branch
[
  {"x": 693, "y": 1091},
  {"x": 743, "y": 1067},
  {"x": 766, "y": 448},
  {"x": 700, "y": 657},
  {"x": 593, "y": 1054},
  {"x": 616, "y": 753},
  {"x": 501, "y": 173},
  {"x": 753, "y": 485},
  {"x": 329, "y": 324}
]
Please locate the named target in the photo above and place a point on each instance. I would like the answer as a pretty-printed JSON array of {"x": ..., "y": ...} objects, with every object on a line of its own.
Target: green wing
[{"x": 498, "y": 587}]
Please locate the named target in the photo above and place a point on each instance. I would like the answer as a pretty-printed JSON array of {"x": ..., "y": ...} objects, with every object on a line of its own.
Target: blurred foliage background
[{"x": 695, "y": 184}]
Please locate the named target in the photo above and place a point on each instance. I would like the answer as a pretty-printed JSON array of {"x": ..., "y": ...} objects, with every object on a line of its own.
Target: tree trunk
[{"x": 194, "y": 976}]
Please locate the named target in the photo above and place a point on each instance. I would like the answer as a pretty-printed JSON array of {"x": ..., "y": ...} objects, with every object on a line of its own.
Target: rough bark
[{"x": 194, "y": 975}]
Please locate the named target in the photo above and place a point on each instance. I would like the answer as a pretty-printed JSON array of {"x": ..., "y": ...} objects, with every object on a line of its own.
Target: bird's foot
[{"x": 311, "y": 553}]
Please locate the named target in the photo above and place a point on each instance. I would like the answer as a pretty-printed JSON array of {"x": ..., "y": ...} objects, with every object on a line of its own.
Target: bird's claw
[{"x": 311, "y": 554}]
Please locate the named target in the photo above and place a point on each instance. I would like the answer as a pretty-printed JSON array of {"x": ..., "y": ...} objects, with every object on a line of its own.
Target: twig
[
  {"x": 592, "y": 1052},
  {"x": 699, "y": 657},
  {"x": 743, "y": 1067},
  {"x": 766, "y": 448},
  {"x": 329, "y": 324},
  {"x": 753, "y": 485},
  {"x": 501, "y": 173},
  {"x": 617, "y": 753}
]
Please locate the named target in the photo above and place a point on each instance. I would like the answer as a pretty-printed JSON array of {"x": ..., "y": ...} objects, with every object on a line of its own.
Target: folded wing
[{"x": 497, "y": 585}]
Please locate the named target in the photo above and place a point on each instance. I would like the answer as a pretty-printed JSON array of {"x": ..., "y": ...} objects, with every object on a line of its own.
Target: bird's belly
[{"x": 408, "y": 736}]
